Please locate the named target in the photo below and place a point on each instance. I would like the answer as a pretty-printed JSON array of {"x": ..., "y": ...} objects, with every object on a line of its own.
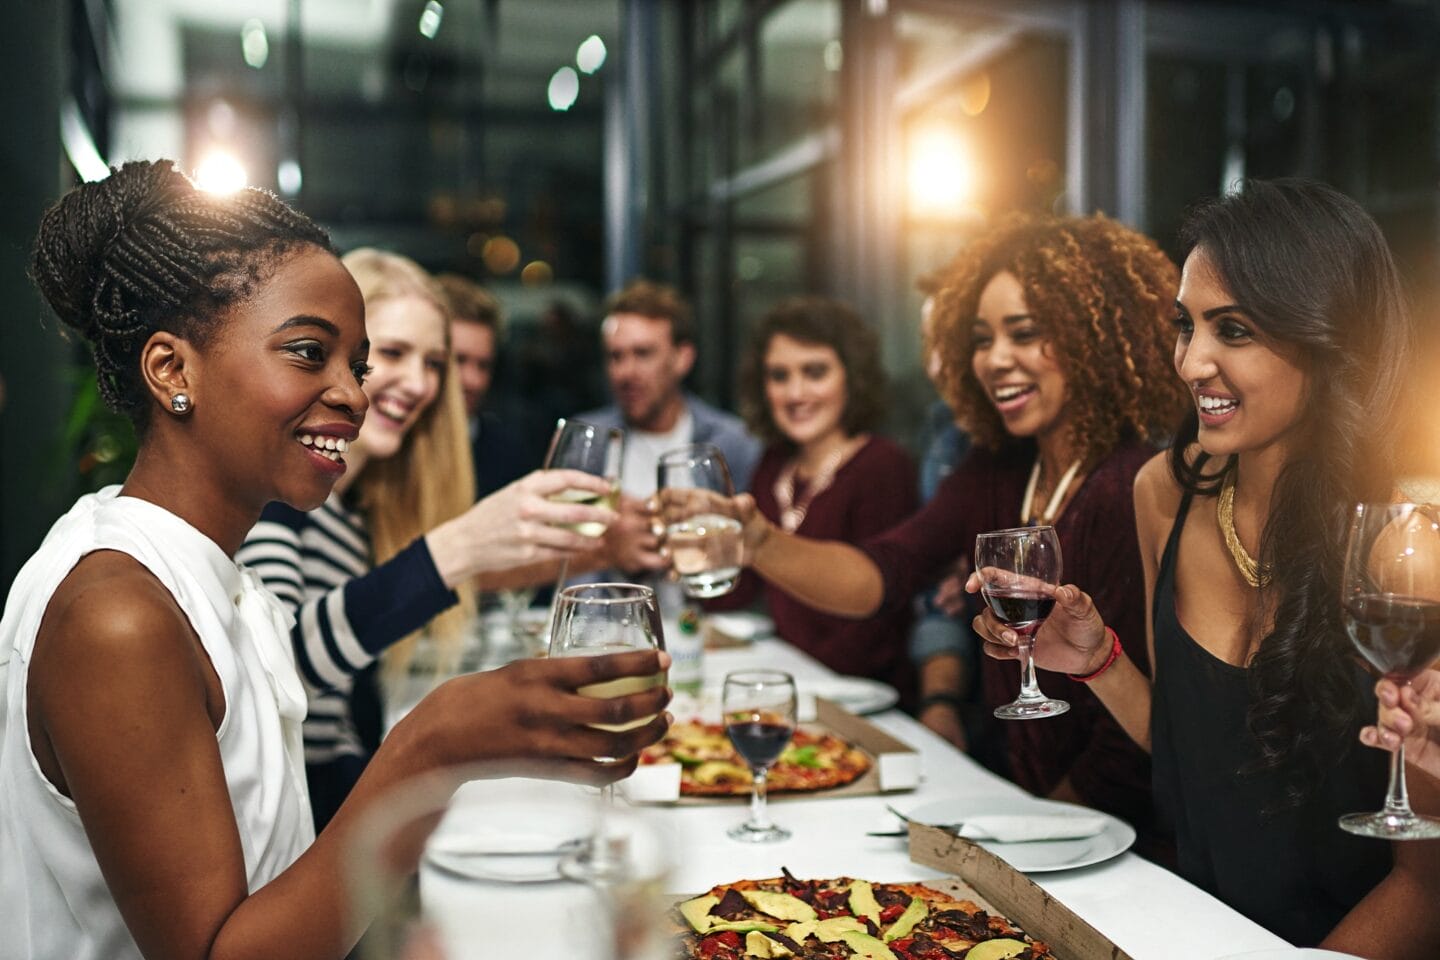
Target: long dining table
[{"x": 1145, "y": 909}]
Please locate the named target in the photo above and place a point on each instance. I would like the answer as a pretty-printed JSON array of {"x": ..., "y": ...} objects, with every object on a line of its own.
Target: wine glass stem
[
  {"x": 1397, "y": 800},
  {"x": 759, "y": 819},
  {"x": 1029, "y": 687}
]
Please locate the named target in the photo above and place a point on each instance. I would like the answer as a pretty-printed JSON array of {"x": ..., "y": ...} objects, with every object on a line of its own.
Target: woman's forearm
[
  {"x": 1125, "y": 692},
  {"x": 832, "y": 577}
]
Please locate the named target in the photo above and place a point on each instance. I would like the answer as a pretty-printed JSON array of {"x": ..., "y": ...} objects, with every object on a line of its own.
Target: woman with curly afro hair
[{"x": 1054, "y": 338}]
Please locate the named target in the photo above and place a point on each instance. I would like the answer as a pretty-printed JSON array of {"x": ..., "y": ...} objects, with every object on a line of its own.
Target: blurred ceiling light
[
  {"x": 564, "y": 89},
  {"x": 834, "y": 56},
  {"x": 220, "y": 172},
  {"x": 591, "y": 55},
  {"x": 501, "y": 255},
  {"x": 288, "y": 177},
  {"x": 537, "y": 273},
  {"x": 254, "y": 44},
  {"x": 975, "y": 94},
  {"x": 79, "y": 145},
  {"x": 430, "y": 19},
  {"x": 942, "y": 175}
]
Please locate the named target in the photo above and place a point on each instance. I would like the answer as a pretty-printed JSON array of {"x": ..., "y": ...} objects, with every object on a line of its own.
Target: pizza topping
[
  {"x": 761, "y": 945},
  {"x": 829, "y": 931},
  {"x": 731, "y": 906},
  {"x": 697, "y": 912},
  {"x": 807, "y": 756},
  {"x": 906, "y": 919},
  {"x": 1003, "y": 949},
  {"x": 862, "y": 901},
  {"x": 719, "y": 946},
  {"x": 971, "y": 926},
  {"x": 712, "y": 772},
  {"x": 867, "y": 947},
  {"x": 782, "y": 906},
  {"x": 888, "y": 896}
]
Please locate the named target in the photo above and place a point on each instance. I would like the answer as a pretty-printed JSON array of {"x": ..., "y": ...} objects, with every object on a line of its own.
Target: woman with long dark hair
[{"x": 1293, "y": 338}]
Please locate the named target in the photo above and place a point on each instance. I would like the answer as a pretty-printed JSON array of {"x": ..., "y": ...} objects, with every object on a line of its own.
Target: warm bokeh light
[
  {"x": 564, "y": 89},
  {"x": 591, "y": 55},
  {"x": 501, "y": 255},
  {"x": 220, "y": 172},
  {"x": 975, "y": 94},
  {"x": 537, "y": 273},
  {"x": 942, "y": 178}
]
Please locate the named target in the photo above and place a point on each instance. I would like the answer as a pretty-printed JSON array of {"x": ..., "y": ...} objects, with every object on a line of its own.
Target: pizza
[
  {"x": 711, "y": 767},
  {"x": 843, "y": 918}
]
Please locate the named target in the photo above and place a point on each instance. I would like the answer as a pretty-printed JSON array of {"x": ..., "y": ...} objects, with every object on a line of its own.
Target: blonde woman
[{"x": 390, "y": 554}]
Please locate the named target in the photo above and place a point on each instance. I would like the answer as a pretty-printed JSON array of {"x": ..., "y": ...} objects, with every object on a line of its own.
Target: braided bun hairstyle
[{"x": 143, "y": 251}]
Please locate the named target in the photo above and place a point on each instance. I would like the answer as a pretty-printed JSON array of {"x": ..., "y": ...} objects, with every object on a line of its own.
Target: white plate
[
  {"x": 741, "y": 626},
  {"x": 856, "y": 694},
  {"x": 1038, "y": 856}
]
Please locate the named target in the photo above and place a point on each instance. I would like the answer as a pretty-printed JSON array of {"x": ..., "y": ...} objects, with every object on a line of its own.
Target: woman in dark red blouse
[
  {"x": 1054, "y": 338},
  {"x": 813, "y": 388}
]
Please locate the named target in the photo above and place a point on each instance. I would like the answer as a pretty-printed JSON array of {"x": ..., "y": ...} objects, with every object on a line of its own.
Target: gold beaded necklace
[{"x": 1225, "y": 514}]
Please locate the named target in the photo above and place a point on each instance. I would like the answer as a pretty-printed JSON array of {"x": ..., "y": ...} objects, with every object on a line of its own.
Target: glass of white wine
[
  {"x": 577, "y": 445},
  {"x": 703, "y": 538},
  {"x": 591, "y": 620}
]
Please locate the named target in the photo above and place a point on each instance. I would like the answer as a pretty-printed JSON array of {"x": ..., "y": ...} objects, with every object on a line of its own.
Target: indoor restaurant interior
[{"x": 720, "y": 479}]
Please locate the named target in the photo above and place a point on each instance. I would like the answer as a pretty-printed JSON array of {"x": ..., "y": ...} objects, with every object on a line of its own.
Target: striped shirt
[{"x": 347, "y": 611}]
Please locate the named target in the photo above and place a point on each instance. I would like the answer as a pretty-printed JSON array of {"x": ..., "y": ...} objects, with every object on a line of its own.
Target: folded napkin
[{"x": 1022, "y": 828}]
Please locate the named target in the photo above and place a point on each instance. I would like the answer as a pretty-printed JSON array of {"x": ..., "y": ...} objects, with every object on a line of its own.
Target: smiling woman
[
  {"x": 151, "y": 795},
  {"x": 1054, "y": 347},
  {"x": 812, "y": 387}
]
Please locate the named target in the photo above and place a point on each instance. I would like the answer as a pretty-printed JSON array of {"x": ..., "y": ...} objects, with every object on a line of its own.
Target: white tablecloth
[{"x": 1146, "y": 910}]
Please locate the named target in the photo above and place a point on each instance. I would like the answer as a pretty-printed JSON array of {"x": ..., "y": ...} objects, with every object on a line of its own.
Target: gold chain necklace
[
  {"x": 792, "y": 512},
  {"x": 1225, "y": 513}
]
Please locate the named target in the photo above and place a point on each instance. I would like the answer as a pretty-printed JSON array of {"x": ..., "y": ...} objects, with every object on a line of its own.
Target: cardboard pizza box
[
  {"x": 896, "y": 766},
  {"x": 1000, "y": 888}
]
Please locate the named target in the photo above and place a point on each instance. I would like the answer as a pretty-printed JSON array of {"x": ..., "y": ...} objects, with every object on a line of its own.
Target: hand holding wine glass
[
  {"x": 1411, "y": 713},
  {"x": 759, "y": 707},
  {"x": 1391, "y": 608},
  {"x": 1018, "y": 571},
  {"x": 581, "y": 446},
  {"x": 702, "y": 537},
  {"x": 594, "y": 620}
]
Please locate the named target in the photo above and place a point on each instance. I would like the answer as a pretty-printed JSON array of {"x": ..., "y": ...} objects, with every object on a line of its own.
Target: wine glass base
[
  {"x": 746, "y": 833},
  {"x": 1391, "y": 826},
  {"x": 1032, "y": 709}
]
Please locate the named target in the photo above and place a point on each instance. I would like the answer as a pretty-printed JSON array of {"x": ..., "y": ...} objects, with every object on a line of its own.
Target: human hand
[
  {"x": 631, "y": 542},
  {"x": 756, "y": 528},
  {"x": 1071, "y": 640},
  {"x": 1410, "y": 714},
  {"x": 518, "y": 525},
  {"x": 527, "y": 718}
]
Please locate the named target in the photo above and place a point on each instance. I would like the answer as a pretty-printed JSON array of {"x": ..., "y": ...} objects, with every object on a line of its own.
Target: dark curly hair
[
  {"x": 830, "y": 323},
  {"x": 144, "y": 250},
  {"x": 1104, "y": 295},
  {"x": 1313, "y": 270}
]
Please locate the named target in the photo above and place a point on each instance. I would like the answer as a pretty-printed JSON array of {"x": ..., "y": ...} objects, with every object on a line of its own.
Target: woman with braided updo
[
  {"x": 1052, "y": 339},
  {"x": 152, "y": 788}
]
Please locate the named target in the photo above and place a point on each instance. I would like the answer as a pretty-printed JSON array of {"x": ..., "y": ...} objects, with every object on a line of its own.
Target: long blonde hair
[{"x": 431, "y": 478}]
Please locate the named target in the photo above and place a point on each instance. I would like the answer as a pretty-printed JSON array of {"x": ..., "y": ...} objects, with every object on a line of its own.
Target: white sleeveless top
[{"x": 54, "y": 904}]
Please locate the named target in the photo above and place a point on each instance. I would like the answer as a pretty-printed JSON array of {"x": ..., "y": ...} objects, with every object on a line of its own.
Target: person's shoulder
[
  {"x": 112, "y": 608},
  {"x": 884, "y": 452},
  {"x": 713, "y": 417},
  {"x": 1157, "y": 493}
]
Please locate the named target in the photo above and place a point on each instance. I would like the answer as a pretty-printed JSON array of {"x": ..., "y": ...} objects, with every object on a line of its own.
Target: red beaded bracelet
[{"x": 1115, "y": 651}]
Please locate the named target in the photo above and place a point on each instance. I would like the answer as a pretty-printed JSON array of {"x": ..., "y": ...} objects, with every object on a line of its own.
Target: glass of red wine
[
  {"x": 1019, "y": 570},
  {"x": 759, "y": 710},
  {"x": 1391, "y": 598}
]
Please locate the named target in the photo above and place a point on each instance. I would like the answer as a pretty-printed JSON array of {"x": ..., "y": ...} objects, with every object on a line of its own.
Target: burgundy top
[
  {"x": 1101, "y": 555},
  {"x": 873, "y": 491}
]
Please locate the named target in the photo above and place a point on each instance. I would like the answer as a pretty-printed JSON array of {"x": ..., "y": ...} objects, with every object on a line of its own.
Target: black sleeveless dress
[{"x": 1293, "y": 871}]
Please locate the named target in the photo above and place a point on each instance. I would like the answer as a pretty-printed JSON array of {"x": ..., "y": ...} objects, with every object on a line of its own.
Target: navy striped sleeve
[{"x": 396, "y": 598}]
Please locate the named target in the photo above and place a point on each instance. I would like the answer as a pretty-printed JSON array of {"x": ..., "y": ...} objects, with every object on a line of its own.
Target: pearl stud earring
[{"x": 180, "y": 403}]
